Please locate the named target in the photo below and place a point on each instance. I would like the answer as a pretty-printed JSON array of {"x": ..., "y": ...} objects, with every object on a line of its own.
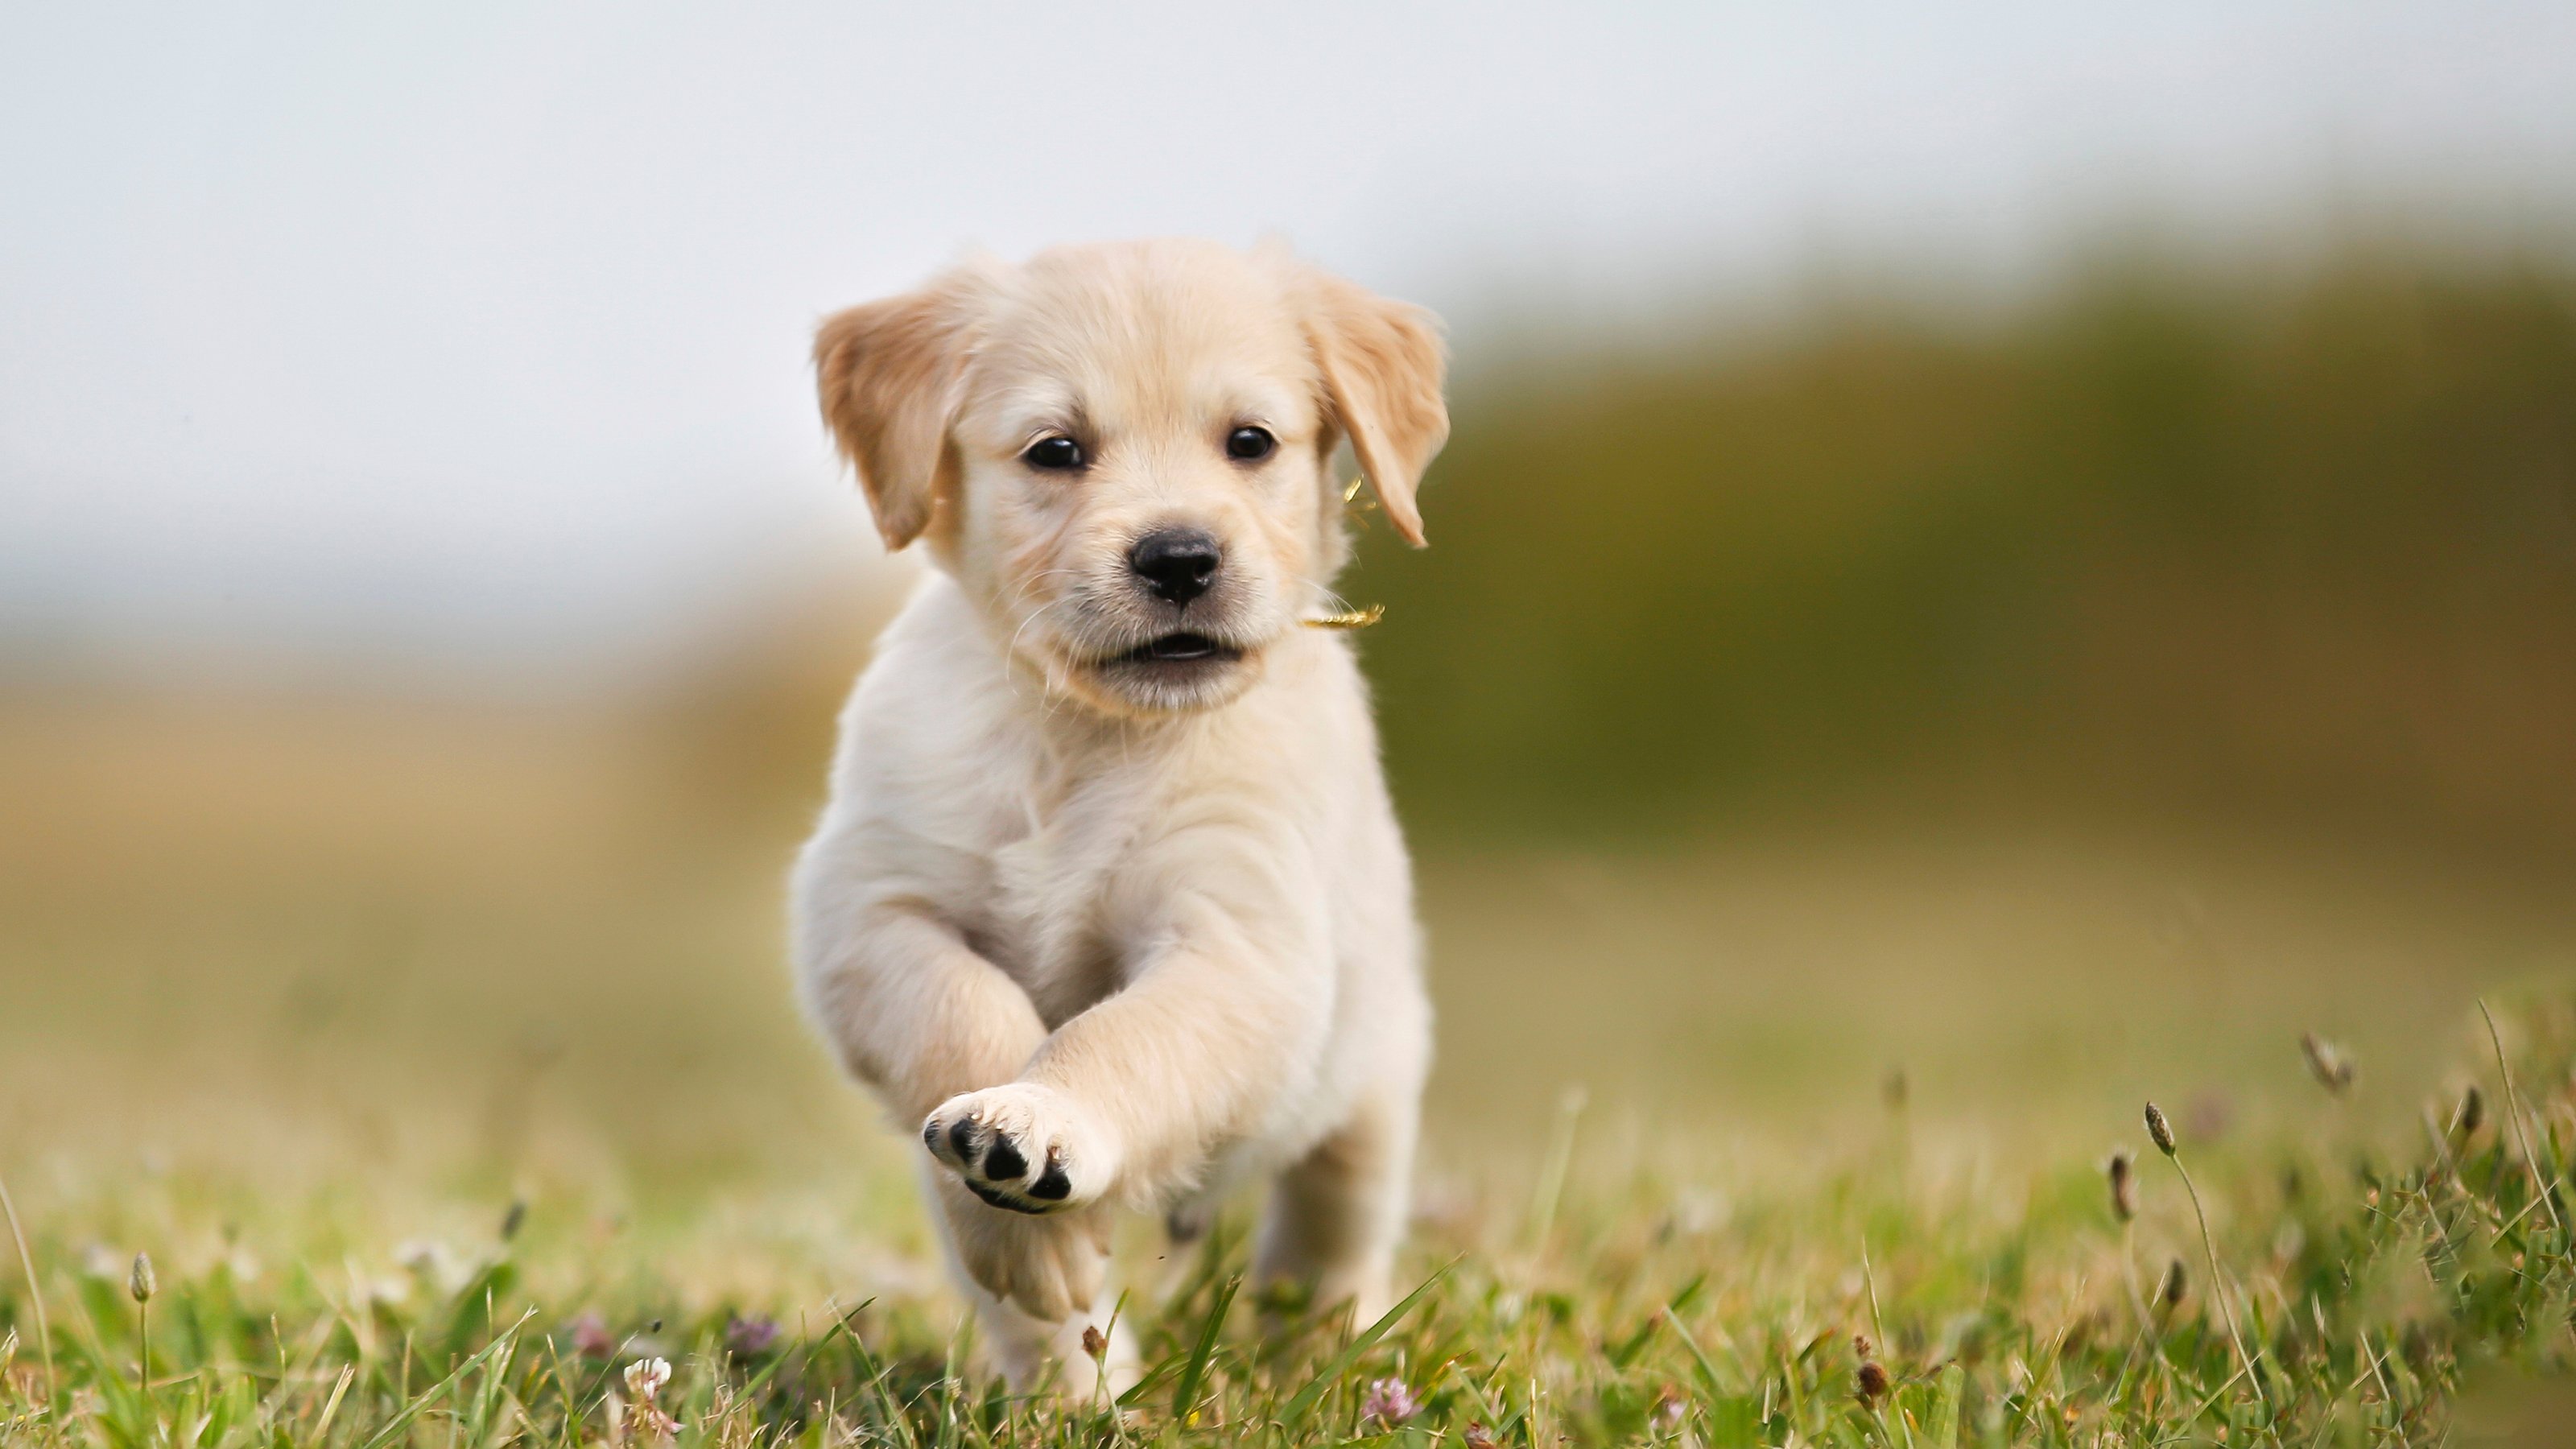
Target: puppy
[{"x": 1109, "y": 904}]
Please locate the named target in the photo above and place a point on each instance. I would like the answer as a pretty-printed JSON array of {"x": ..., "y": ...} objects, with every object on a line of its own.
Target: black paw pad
[
  {"x": 1005, "y": 1161},
  {"x": 1052, "y": 1185},
  {"x": 995, "y": 1199},
  {"x": 961, "y": 1139}
]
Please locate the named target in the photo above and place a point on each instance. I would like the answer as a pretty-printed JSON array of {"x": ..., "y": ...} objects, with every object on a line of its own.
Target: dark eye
[
  {"x": 1056, "y": 455},
  {"x": 1248, "y": 444}
]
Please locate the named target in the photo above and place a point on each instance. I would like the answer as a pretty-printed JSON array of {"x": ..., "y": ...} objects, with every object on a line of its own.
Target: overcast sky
[{"x": 478, "y": 331}]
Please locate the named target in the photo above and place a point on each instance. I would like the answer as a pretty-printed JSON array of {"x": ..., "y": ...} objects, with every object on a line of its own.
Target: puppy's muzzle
[{"x": 1176, "y": 565}]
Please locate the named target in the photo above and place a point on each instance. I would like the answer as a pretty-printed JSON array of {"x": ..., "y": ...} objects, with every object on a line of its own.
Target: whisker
[
  {"x": 1020, "y": 595},
  {"x": 1011, "y": 651}
]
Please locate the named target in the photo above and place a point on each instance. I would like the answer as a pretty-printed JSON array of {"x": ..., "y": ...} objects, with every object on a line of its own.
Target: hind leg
[{"x": 1336, "y": 1214}]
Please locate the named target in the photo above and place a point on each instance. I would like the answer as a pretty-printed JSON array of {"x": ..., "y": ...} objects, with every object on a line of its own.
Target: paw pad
[{"x": 1010, "y": 1152}]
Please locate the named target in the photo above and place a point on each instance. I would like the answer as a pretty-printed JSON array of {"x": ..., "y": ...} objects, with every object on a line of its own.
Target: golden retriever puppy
[{"x": 1109, "y": 904}]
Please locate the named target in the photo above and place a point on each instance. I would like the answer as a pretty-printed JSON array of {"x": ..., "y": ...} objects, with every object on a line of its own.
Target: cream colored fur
[{"x": 1152, "y": 928}]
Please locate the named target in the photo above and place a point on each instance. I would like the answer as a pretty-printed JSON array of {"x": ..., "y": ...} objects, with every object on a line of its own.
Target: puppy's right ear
[{"x": 891, "y": 375}]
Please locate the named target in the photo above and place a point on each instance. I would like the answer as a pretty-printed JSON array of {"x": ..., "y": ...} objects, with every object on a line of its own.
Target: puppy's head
[{"x": 1123, "y": 453}]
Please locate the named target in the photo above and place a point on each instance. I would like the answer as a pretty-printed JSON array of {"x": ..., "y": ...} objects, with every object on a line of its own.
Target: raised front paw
[{"x": 1022, "y": 1146}]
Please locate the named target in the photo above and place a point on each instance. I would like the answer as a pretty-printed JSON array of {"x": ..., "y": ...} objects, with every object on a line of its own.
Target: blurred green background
[
  {"x": 2049, "y": 700},
  {"x": 2264, "y": 539}
]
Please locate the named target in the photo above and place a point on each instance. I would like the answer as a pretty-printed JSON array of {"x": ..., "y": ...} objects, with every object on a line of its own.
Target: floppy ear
[
  {"x": 1383, "y": 364},
  {"x": 890, "y": 375}
]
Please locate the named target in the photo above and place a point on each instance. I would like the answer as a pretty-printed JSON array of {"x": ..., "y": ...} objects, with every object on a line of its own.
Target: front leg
[
  {"x": 1222, "y": 1021},
  {"x": 914, "y": 1012},
  {"x": 920, "y": 1016}
]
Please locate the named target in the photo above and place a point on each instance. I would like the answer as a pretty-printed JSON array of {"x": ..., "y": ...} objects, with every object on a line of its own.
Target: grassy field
[
  {"x": 301, "y": 999},
  {"x": 2345, "y": 1291}
]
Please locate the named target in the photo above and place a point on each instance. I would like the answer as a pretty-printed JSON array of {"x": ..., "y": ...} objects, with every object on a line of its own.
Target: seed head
[
  {"x": 1873, "y": 1381},
  {"x": 2124, "y": 1188},
  {"x": 1478, "y": 1436},
  {"x": 2160, "y": 1129},
  {"x": 515, "y": 1219},
  {"x": 1094, "y": 1342},
  {"x": 2176, "y": 1284},
  {"x": 2472, "y": 1113},
  {"x": 1348, "y": 619},
  {"x": 142, "y": 1284},
  {"x": 2327, "y": 1063}
]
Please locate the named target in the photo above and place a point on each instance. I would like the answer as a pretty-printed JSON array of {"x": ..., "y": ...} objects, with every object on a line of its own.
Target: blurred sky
[{"x": 474, "y": 334}]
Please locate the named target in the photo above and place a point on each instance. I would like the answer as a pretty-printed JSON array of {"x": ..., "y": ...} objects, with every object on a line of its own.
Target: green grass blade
[
  {"x": 1627, "y": 1349},
  {"x": 322, "y": 1425},
  {"x": 1304, "y": 1403},
  {"x": 1185, "y": 1396},
  {"x": 1707, "y": 1371},
  {"x": 1941, "y": 1430},
  {"x": 410, "y": 1411}
]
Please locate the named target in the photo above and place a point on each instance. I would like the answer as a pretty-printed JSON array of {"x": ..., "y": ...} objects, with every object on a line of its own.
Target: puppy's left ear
[
  {"x": 890, "y": 375},
  {"x": 1383, "y": 365}
]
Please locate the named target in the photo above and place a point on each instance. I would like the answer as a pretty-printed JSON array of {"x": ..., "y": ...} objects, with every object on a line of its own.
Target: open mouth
[{"x": 1180, "y": 649}]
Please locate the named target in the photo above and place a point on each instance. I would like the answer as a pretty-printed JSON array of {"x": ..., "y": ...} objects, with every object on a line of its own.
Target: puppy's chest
[{"x": 1041, "y": 908}]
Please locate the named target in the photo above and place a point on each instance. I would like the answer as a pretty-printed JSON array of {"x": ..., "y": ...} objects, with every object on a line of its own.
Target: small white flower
[{"x": 646, "y": 1376}]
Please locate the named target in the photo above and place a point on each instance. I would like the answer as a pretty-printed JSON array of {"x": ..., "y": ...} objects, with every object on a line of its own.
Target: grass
[
  {"x": 300, "y": 1002},
  {"x": 1627, "y": 1302}
]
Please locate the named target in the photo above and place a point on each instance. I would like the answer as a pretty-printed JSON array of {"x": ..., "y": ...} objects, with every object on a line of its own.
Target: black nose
[{"x": 1178, "y": 564}]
